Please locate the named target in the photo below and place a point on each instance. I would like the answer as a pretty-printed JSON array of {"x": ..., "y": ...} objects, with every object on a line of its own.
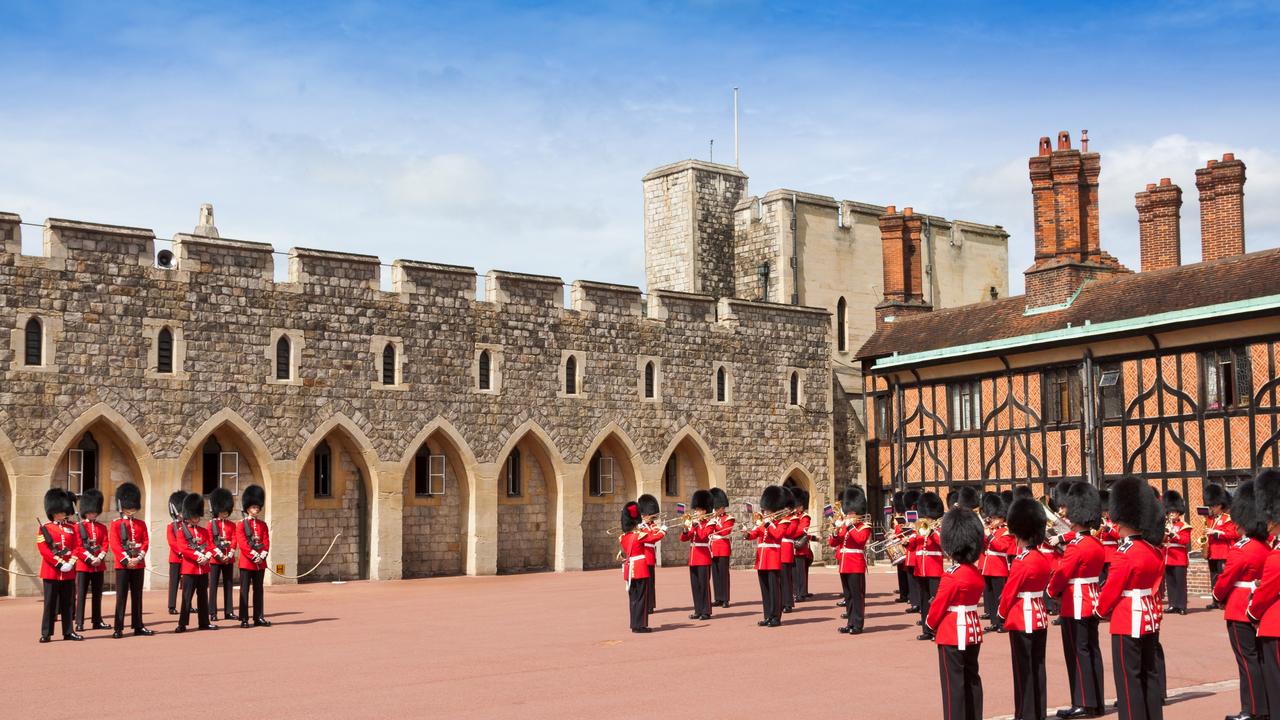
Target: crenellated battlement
[
  {"x": 589, "y": 296},
  {"x": 220, "y": 255},
  {"x": 434, "y": 280},
  {"x": 335, "y": 269}
]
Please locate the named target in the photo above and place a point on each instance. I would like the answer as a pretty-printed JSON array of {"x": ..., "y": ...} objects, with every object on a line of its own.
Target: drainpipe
[
  {"x": 1090, "y": 422},
  {"x": 933, "y": 277},
  {"x": 795, "y": 255}
]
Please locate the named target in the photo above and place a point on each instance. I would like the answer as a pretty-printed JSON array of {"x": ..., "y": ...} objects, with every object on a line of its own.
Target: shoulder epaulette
[{"x": 1125, "y": 544}]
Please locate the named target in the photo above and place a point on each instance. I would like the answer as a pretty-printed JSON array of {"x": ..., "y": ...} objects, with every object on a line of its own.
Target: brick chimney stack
[
  {"x": 1221, "y": 186},
  {"x": 1064, "y": 189},
  {"x": 900, "y": 235},
  {"x": 1159, "y": 225}
]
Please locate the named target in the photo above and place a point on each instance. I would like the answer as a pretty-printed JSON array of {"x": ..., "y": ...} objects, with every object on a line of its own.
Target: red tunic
[
  {"x": 634, "y": 566},
  {"x": 131, "y": 532},
  {"x": 1240, "y": 577},
  {"x": 698, "y": 535},
  {"x": 1079, "y": 570},
  {"x": 995, "y": 559},
  {"x": 169, "y": 533},
  {"x": 908, "y": 546},
  {"x": 259, "y": 530},
  {"x": 930, "y": 555},
  {"x": 850, "y": 543},
  {"x": 1263, "y": 608},
  {"x": 91, "y": 532},
  {"x": 1110, "y": 540},
  {"x": 1022, "y": 602},
  {"x": 721, "y": 546},
  {"x": 1220, "y": 542},
  {"x": 66, "y": 543},
  {"x": 652, "y": 534},
  {"x": 1128, "y": 596},
  {"x": 801, "y": 536},
  {"x": 953, "y": 616},
  {"x": 1175, "y": 545},
  {"x": 222, "y": 534},
  {"x": 768, "y": 539},
  {"x": 196, "y": 553},
  {"x": 788, "y": 550}
]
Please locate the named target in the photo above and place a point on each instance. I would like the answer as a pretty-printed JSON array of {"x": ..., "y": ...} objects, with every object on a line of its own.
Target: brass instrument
[
  {"x": 1056, "y": 526},
  {"x": 925, "y": 526},
  {"x": 890, "y": 541}
]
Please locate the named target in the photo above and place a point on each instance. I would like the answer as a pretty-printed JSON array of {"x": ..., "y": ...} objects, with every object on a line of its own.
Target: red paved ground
[{"x": 539, "y": 646}]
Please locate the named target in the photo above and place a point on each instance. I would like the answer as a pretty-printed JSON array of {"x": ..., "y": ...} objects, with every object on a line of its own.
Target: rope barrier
[
  {"x": 19, "y": 572},
  {"x": 313, "y": 567}
]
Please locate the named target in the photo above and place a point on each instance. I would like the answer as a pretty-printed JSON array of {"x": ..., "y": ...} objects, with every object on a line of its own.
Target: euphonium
[{"x": 924, "y": 526}]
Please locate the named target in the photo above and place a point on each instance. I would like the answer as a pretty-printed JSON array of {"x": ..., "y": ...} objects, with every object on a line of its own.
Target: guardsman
[
  {"x": 768, "y": 535},
  {"x": 1264, "y": 610},
  {"x": 175, "y": 560},
  {"x": 1220, "y": 532},
  {"x": 1176, "y": 541},
  {"x": 697, "y": 532},
  {"x": 1054, "y": 544},
  {"x": 91, "y": 559},
  {"x": 912, "y": 500},
  {"x": 1075, "y": 584},
  {"x": 1107, "y": 535},
  {"x": 850, "y": 541},
  {"x": 635, "y": 569},
  {"x": 129, "y": 543},
  {"x": 802, "y": 541},
  {"x": 195, "y": 547},
  {"x": 929, "y": 563},
  {"x": 58, "y": 546},
  {"x": 1235, "y": 585},
  {"x": 721, "y": 546},
  {"x": 654, "y": 532},
  {"x": 953, "y": 617},
  {"x": 222, "y": 568},
  {"x": 253, "y": 541},
  {"x": 788, "y": 551},
  {"x": 1129, "y": 599},
  {"x": 897, "y": 526},
  {"x": 1022, "y": 611},
  {"x": 1000, "y": 546}
]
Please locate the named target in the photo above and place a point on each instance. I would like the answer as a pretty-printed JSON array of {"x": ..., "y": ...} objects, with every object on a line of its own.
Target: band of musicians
[{"x": 1088, "y": 562}]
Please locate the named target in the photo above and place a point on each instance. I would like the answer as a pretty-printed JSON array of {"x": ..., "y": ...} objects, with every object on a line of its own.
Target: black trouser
[
  {"x": 801, "y": 585},
  {"x": 1029, "y": 681},
  {"x": 175, "y": 577},
  {"x": 1269, "y": 655},
  {"x": 1215, "y": 569},
  {"x": 788, "y": 575},
  {"x": 129, "y": 590},
  {"x": 637, "y": 600},
  {"x": 1162, "y": 680},
  {"x": 904, "y": 578},
  {"x": 1102, "y": 576},
  {"x": 86, "y": 581},
  {"x": 700, "y": 585},
  {"x": 961, "y": 683},
  {"x": 221, "y": 577},
  {"x": 992, "y": 588},
  {"x": 1133, "y": 662},
  {"x": 854, "y": 586},
  {"x": 59, "y": 601},
  {"x": 720, "y": 579},
  {"x": 652, "y": 591},
  {"x": 1245, "y": 645},
  {"x": 254, "y": 578},
  {"x": 928, "y": 588},
  {"x": 1175, "y": 583},
  {"x": 199, "y": 585},
  {"x": 1083, "y": 656},
  {"x": 770, "y": 593},
  {"x": 913, "y": 587}
]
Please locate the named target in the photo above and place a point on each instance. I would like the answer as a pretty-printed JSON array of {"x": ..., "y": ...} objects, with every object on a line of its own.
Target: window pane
[
  {"x": 1211, "y": 397},
  {"x": 230, "y": 475},
  {"x": 670, "y": 480},
  {"x": 841, "y": 311},
  {"x": 720, "y": 385},
  {"x": 571, "y": 376},
  {"x": 211, "y": 471},
  {"x": 282, "y": 358},
  {"x": 593, "y": 475},
  {"x": 435, "y": 484},
  {"x": 484, "y": 370},
  {"x": 421, "y": 476},
  {"x": 34, "y": 342},
  {"x": 795, "y": 388},
  {"x": 1244, "y": 377},
  {"x": 389, "y": 365},
  {"x": 164, "y": 351},
  {"x": 648, "y": 380}
]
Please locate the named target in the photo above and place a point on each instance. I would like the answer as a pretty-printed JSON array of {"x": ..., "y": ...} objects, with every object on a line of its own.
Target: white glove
[
  {"x": 663, "y": 528},
  {"x": 66, "y": 567}
]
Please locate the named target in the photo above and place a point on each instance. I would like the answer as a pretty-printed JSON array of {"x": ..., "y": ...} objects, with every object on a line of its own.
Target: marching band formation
[
  {"x": 1080, "y": 554},
  {"x": 201, "y": 559}
]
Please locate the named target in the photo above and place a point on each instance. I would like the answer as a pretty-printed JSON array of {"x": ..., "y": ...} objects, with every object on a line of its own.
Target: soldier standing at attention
[
  {"x": 634, "y": 568},
  {"x": 1000, "y": 546},
  {"x": 195, "y": 547},
  {"x": 223, "y": 566},
  {"x": 1220, "y": 532},
  {"x": 721, "y": 547},
  {"x": 850, "y": 540},
  {"x": 91, "y": 559},
  {"x": 697, "y": 532},
  {"x": 129, "y": 544},
  {"x": 254, "y": 542},
  {"x": 768, "y": 536},
  {"x": 804, "y": 551},
  {"x": 649, "y": 512},
  {"x": 1177, "y": 540},
  {"x": 175, "y": 560},
  {"x": 1075, "y": 582},
  {"x": 58, "y": 547},
  {"x": 952, "y": 620},
  {"x": 1022, "y": 610}
]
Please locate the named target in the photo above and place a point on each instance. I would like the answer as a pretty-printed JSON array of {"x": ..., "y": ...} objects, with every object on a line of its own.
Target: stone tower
[{"x": 688, "y": 227}]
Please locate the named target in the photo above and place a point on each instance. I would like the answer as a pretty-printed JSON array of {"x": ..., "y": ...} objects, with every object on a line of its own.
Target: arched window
[
  {"x": 35, "y": 343},
  {"x": 486, "y": 380},
  {"x": 82, "y": 465},
  {"x": 795, "y": 388},
  {"x": 571, "y": 375},
  {"x": 283, "y": 364},
  {"x": 428, "y": 473},
  {"x": 164, "y": 351},
  {"x": 671, "y": 478},
  {"x": 389, "y": 364},
  {"x": 211, "y": 465},
  {"x": 650, "y": 380},
  {"x": 322, "y": 470},
  {"x": 512, "y": 472},
  {"x": 842, "y": 342},
  {"x": 722, "y": 384}
]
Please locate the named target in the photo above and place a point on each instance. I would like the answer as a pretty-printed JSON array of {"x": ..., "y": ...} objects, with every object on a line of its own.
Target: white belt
[
  {"x": 1027, "y": 598},
  {"x": 651, "y": 545},
  {"x": 1175, "y": 545},
  {"x": 631, "y": 567},
  {"x": 1251, "y": 585},
  {"x": 1110, "y": 542},
  {"x": 962, "y": 623},
  {"x": 1135, "y": 610},
  {"x": 720, "y": 537},
  {"x": 705, "y": 545},
  {"x": 1047, "y": 551},
  {"x": 1078, "y": 593},
  {"x": 768, "y": 545},
  {"x": 997, "y": 554},
  {"x": 855, "y": 551},
  {"x": 929, "y": 552}
]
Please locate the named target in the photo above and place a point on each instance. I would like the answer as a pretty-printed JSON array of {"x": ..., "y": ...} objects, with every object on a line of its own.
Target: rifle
[
  {"x": 256, "y": 552},
  {"x": 222, "y": 545},
  {"x": 202, "y": 555},
  {"x": 63, "y": 554},
  {"x": 93, "y": 550},
  {"x": 132, "y": 552}
]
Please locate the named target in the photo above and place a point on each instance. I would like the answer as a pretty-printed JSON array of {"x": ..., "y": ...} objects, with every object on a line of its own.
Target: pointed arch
[
  {"x": 350, "y": 508},
  {"x": 7, "y": 515},
  {"x": 686, "y": 465},
  {"x": 610, "y": 478},
  {"x": 110, "y": 427},
  {"x": 800, "y": 476},
  {"x": 430, "y": 520},
  {"x": 244, "y": 459},
  {"x": 539, "y": 504}
]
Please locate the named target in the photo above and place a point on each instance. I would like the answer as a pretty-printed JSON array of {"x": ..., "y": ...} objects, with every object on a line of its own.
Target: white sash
[
  {"x": 1077, "y": 592},
  {"x": 1136, "y": 610},
  {"x": 962, "y": 623},
  {"x": 1028, "y": 599}
]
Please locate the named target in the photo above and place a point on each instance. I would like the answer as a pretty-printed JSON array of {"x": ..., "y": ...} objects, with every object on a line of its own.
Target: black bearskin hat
[
  {"x": 1057, "y": 495},
  {"x": 1173, "y": 502},
  {"x": 193, "y": 506},
  {"x": 899, "y": 502},
  {"x": 1266, "y": 492},
  {"x": 1084, "y": 507},
  {"x": 1023, "y": 491},
  {"x": 930, "y": 506},
  {"x": 175, "y": 503},
  {"x": 1025, "y": 521},
  {"x": 221, "y": 501},
  {"x": 91, "y": 501},
  {"x": 969, "y": 498},
  {"x": 648, "y": 505},
  {"x": 853, "y": 500},
  {"x": 1007, "y": 497},
  {"x": 128, "y": 497},
  {"x": 962, "y": 535},
  {"x": 57, "y": 500},
  {"x": 801, "y": 497},
  {"x": 1215, "y": 494},
  {"x": 1104, "y": 501},
  {"x": 773, "y": 499},
  {"x": 788, "y": 497},
  {"x": 1134, "y": 504},
  {"x": 630, "y": 516},
  {"x": 993, "y": 505},
  {"x": 253, "y": 495},
  {"x": 701, "y": 500},
  {"x": 719, "y": 499},
  {"x": 1244, "y": 513},
  {"x": 912, "y": 499},
  {"x": 952, "y": 498}
]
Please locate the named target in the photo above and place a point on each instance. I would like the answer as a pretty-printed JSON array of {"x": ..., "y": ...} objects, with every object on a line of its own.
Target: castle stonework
[{"x": 440, "y": 434}]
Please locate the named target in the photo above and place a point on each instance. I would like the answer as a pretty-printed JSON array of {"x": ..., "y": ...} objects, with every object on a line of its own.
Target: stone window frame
[
  {"x": 411, "y": 497},
  {"x": 617, "y": 481},
  {"x": 297, "y": 340},
  {"x": 495, "y": 368},
  {"x": 50, "y": 334},
  {"x": 799, "y": 374},
  {"x": 523, "y": 463},
  {"x": 580, "y": 365},
  {"x": 641, "y": 362},
  {"x": 728, "y": 382},
  {"x": 377, "y": 343},
  {"x": 151, "y": 328}
]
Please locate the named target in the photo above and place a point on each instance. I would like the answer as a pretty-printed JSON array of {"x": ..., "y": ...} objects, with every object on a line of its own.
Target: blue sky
[{"x": 514, "y": 135}]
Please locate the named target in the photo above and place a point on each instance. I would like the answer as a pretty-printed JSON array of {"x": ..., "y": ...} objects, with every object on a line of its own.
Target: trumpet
[
  {"x": 888, "y": 542},
  {"x": 925, "y": 526}
]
